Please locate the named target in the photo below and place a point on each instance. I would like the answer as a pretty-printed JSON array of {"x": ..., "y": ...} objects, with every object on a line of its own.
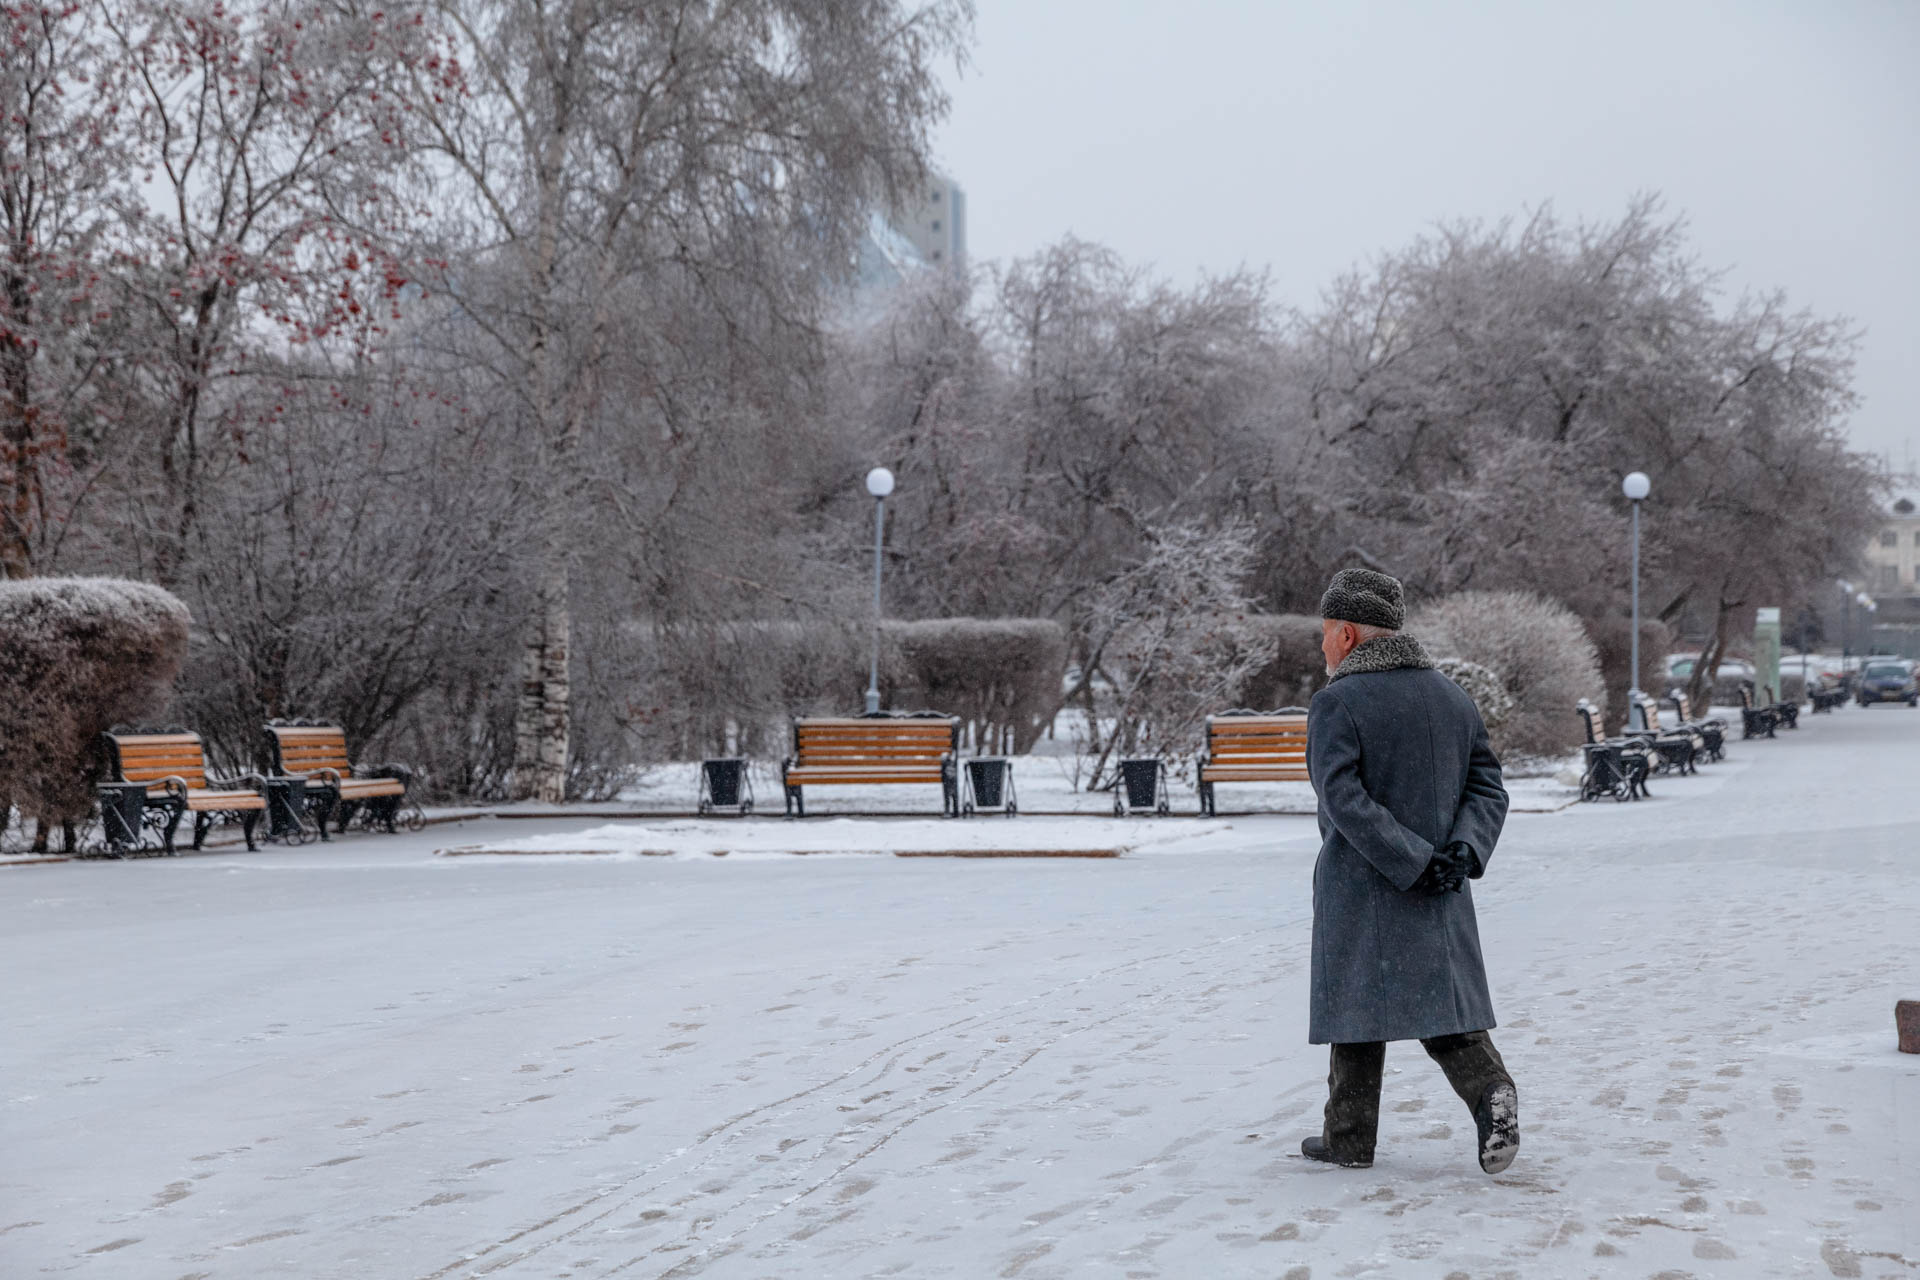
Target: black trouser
[{"x": 1353, "y": 1085}]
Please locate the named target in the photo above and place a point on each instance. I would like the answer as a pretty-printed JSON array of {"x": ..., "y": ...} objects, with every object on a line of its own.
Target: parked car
[
  {"x": 1888, "y": 680},
  {"x": 1680, "y": 668}
]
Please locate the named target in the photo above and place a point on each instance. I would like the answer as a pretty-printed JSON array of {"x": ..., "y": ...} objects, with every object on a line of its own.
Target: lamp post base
[{"x": 873, "y": 702}]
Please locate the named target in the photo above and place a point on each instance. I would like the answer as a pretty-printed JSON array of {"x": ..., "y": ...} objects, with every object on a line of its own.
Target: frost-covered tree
[
  {"x": 271, "y": 141},
  {"x": 65, "y": 166},
  {"x": 1173, "y": 634},
  {"x": 602, "y": 150}
]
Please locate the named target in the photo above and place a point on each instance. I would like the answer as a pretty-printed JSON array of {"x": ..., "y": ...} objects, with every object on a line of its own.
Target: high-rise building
[
  {"x": 936, "y": 222},
  {"x": 927, "y": 232}
]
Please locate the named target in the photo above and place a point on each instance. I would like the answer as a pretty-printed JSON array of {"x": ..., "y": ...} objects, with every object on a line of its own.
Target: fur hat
[{"x": 1363, "y": 596}]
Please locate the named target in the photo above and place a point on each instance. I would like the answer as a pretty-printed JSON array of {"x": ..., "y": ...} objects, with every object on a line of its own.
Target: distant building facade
[
  {"x": 1893, "y": 571},
  {"x": 929, "y": 231},
  {"x": 936, "y": 223}
]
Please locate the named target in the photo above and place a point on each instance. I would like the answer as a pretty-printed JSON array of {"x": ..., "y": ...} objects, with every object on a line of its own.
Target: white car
[{"x": 1680, "y": 667}]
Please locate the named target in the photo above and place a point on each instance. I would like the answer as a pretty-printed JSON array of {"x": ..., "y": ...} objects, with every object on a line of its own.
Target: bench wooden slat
[
  {"x": 830, "y": 777},
  {"x": 877, "y": 757},
  {"x": 367, "y": 788},
  {"x": 1273, "y": 773},
  {"x": 202, "y": 801},
  {"x": 878, "y": 724},
  {"x": 1241, "y": 747}
]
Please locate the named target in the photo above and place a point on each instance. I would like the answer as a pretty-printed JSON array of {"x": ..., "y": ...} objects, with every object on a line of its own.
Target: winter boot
[
  {"x": 1498, "y": 1119},
  {"x": 1353, "y": 1106},
  {"x": 1317, "y": 1149}
]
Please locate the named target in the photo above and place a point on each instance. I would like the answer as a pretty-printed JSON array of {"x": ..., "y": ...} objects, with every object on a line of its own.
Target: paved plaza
[{"x": 365, "y": 1060}]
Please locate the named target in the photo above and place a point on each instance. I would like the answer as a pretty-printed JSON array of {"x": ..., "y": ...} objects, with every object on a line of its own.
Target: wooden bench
[
  {"x": 1675, "y": 749},
  {"x": 1614, "y": 766},
  {"x": 862, "y": 750},
  {"x": 173, "y": 767},
  {"x": 1785, "y": 712},
  {"x": 1253, "y": 746},
  {"x": 1712, "y": 730},
  {"x": 1756, "y": 722},
  {"x": 317, "y": 753}
]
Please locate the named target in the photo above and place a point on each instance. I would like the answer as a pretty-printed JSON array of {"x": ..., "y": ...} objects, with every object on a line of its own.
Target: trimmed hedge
[
  {"x": 77, "y": 655},
  {"x": 1001, "y": 676}
]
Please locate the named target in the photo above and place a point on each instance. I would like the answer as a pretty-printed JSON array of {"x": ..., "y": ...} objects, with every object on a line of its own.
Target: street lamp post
[
  {"x": 1846, "y": 631},
  {"x": 1636, "y": 486},
  {"x": 879, "y": 484}
]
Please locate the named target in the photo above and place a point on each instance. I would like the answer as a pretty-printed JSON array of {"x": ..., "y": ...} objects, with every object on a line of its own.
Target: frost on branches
[{"x": 1174, "y": 636}]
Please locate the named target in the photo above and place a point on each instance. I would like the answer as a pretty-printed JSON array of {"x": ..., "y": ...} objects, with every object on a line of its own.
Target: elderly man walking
[{"x": 1411, "y": 804}]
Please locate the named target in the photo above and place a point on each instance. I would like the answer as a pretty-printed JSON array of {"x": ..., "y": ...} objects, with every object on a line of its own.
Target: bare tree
[
  {"x": 600, "y": 145},
  {"x": 276, "y": 136},
  {"x": 1172, "y": 633},
  {"x": 64, "y": 165}
]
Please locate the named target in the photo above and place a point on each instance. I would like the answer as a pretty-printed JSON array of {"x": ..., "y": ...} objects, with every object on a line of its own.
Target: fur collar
[{"x": 1383, "y": 653}]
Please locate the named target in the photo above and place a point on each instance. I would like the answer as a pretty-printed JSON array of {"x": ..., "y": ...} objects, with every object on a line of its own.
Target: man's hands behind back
[{"x": 1447, "y": 871}]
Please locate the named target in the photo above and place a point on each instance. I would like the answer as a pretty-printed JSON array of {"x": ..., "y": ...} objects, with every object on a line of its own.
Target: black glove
[
  {"x": 1469, "y": 860},
  {"x": 1447, "y": 870}
]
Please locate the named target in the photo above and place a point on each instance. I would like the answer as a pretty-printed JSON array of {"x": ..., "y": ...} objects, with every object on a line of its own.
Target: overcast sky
[{"x": 1199, "y": 135}]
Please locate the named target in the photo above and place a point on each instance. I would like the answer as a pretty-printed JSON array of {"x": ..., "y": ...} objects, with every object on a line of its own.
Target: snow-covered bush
[
  {"x": 1482, "y": 684},
  {"x": 77, "y": 655},
  {"x": 1296, "y": 669},
  {"x": 1544, "y": 657}
]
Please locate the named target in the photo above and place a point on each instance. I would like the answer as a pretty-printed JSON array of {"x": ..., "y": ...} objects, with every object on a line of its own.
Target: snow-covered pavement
[{"x": 362, "y": 1060}]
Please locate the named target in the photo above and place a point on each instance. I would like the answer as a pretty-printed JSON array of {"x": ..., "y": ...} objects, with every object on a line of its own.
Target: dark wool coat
[{"x": 1400, "y": 763}]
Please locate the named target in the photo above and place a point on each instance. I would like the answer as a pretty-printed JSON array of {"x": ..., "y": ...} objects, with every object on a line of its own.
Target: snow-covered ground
[{"x": 365, "y": 1060}]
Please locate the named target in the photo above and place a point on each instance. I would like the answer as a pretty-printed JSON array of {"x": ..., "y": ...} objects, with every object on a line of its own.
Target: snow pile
[{"x": 856, "y": 837}]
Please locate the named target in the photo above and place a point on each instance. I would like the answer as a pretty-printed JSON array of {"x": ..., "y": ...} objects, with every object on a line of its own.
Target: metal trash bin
[
  {"x": 123, "y": 814},
  {"x": 989, "y": 786},
  {"x": 286, "y": 810},
  {"x": 1141, "y": 787},
  {"x": 725, "y": 784}
]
